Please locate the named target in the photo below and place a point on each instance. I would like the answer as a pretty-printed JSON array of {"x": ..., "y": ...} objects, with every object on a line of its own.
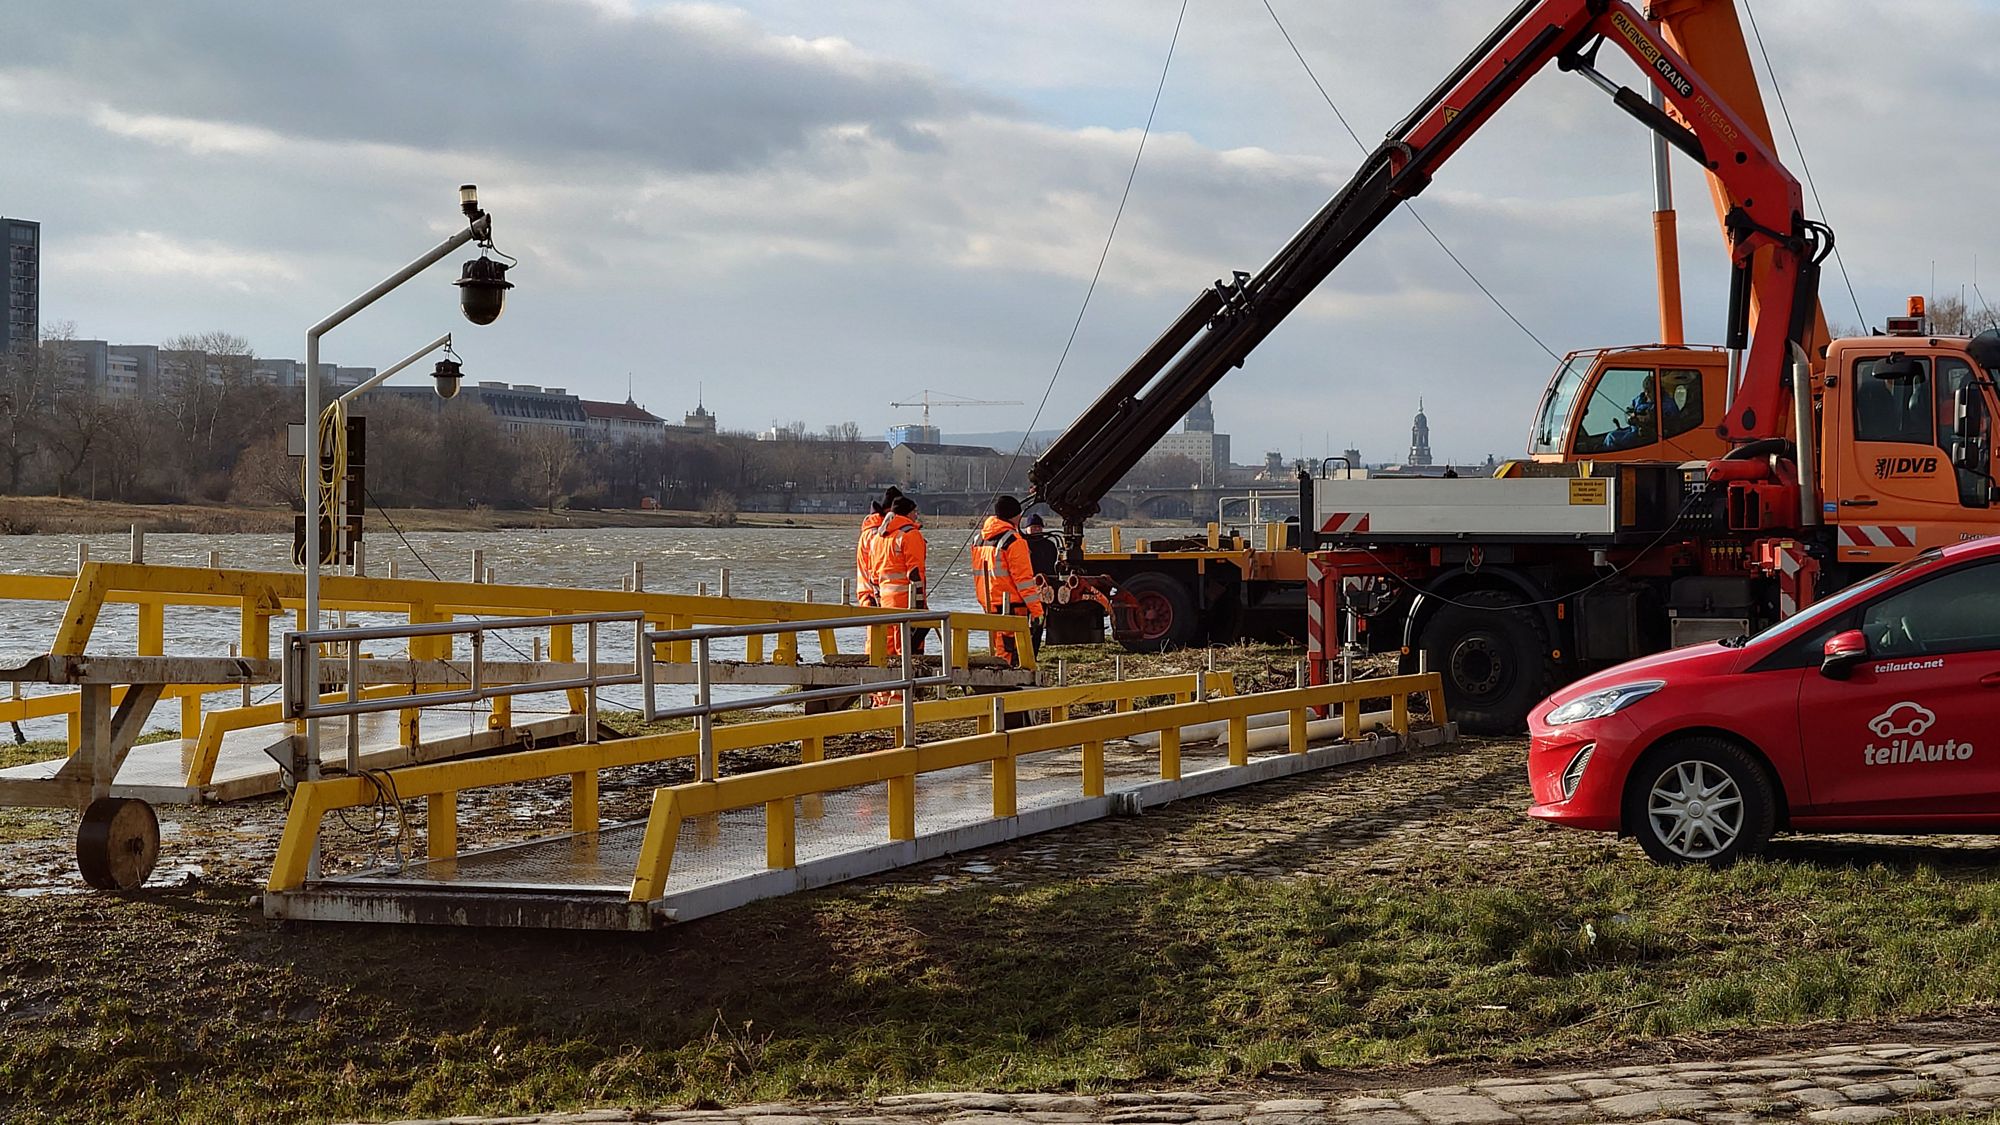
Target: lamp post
[{"x": 482, "y": 290}]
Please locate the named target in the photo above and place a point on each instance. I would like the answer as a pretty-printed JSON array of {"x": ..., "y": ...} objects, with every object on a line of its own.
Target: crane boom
[
  {"x": 926, "y": 403},
  {"x": 1224, "y": 323}
]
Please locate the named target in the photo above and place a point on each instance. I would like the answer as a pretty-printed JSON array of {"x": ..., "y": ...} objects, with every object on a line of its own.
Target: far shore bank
[{"x": 47, "y": 515}]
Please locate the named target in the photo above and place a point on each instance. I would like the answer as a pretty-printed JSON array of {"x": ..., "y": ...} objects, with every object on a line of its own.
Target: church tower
[{"x": 1420, "y": 438}]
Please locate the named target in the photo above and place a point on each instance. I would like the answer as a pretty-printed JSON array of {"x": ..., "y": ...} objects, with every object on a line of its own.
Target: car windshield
[
  {"x": 1839, "y": 602},
  {"x": 1552, "y": 424}
]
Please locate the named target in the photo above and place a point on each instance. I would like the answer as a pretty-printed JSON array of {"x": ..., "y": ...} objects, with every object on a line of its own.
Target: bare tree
[
  {"x": 548, "y": 462},
  {"x": 266, "y": 474},
  {"x": 25, "y": 385},
  {"x": 74, "y": 421}
]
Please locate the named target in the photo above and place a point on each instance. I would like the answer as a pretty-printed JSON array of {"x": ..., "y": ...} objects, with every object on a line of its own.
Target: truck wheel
[
  {"x": 1494, "y": 657},
  {"x": 1166, "y": 617},
  {"x": 1699, "y": 800}
]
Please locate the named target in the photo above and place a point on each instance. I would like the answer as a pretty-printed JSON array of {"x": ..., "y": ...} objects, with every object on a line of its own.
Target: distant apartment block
[{"x": 21, "y": 316}]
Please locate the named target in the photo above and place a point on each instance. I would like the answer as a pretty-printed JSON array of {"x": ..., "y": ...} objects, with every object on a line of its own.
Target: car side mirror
[
  {"x": 1971, "y": 443},
  {"x": 1841, "y": 653}
]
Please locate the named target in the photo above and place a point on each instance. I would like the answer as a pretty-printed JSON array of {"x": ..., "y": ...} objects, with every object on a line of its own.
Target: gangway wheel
[{"x": 117, "y": 843}]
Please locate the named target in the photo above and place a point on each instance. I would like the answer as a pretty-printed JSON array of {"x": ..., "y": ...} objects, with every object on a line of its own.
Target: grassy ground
[{"x": 1399, "y": 913}]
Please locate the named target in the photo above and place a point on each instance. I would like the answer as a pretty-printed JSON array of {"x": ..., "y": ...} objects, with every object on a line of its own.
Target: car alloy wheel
[{"x": 1696, "y": 810}]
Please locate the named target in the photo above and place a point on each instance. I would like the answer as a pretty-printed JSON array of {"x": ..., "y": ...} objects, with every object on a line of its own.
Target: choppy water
[{"x": 776, "y": 563}]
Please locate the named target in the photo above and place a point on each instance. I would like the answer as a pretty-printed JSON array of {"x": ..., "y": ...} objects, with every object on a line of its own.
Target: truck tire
[
  {"x": 1494, "y": 657},
  {"x": 1167, "y": 617},
  {"x": 1699, "y": 800}
]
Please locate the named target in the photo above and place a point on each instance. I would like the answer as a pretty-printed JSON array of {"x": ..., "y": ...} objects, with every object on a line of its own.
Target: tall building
[
  {"x": 21, "y": 315},
  {"x": 1198, "y": 441},
  {"x": 1420, "y": 438}
]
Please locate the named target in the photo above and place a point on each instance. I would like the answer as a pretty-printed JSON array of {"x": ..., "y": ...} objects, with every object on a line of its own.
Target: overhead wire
[
  {"x": 1407, "y": 205},
  {"x": 1860, "y": 319},
  {"x": 1091, "y": 289}
]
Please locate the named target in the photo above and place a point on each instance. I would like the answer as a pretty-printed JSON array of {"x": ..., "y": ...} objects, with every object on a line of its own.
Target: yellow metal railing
[
  {"x": 257, "y": 597},
  {"x": 439, "y": 784},
  {"x": 778, "y": 789}
]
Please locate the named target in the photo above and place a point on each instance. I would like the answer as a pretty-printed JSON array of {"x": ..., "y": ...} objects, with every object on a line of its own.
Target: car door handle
[
  {"x": 1990, "y": 679},
  {"x": 1859, "y": 503}
]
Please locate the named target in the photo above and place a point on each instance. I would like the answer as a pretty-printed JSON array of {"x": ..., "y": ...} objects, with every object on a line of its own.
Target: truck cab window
[
  {"x": 1623, "y": 412},
  {"x": 1952, "y": 374},
  {"x": 1898, "y": 410},
  {"x": 1680, "y": 401}
]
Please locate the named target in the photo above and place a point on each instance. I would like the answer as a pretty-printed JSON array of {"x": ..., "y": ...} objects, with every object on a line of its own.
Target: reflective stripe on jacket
[
  {"x": 1003, "y": 571},
  {"x": 864, "y": 566},
  {"x": 898, "y": 556}
]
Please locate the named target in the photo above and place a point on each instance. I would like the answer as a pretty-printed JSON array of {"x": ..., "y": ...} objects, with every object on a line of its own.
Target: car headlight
[{"x": 1605, "y": 701}]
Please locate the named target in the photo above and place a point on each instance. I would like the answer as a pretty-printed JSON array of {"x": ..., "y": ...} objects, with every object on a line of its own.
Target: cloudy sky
[{"x": 810, "y": 208}]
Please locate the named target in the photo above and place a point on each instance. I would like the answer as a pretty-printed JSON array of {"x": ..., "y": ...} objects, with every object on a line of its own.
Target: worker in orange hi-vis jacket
[
  {"x": 1003, "y": 574},
  {"x": 865, "y": 592},
  {"x": 897, "y": 557}
]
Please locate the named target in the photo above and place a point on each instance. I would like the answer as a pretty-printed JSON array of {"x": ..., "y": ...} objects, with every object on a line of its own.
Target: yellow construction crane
[{"x": 926, "y": 402}]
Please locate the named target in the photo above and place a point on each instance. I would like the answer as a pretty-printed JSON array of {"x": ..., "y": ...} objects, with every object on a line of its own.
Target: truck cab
[
  {"x": 1907, "y": 458},
  {"x": 1655, "y": 403}
]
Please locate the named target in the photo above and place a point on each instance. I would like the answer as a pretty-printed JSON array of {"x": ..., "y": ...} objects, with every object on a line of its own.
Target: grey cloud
[{"x": 678, "y": 89}]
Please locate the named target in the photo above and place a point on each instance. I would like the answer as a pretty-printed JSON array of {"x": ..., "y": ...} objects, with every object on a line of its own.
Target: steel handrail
[
  {"x": 300, "y": 674},
  {"x": 705, "y": 708}
]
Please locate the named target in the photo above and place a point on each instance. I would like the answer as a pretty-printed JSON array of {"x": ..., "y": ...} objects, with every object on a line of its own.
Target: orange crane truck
[{"x": 1511, "y": 585}]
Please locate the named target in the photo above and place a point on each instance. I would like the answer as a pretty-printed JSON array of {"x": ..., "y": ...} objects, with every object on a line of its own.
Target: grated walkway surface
[{"x": 712, "y": 850}]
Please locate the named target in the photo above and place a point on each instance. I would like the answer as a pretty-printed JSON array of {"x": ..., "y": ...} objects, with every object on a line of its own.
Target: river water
[{"x": 775, "y": 563}]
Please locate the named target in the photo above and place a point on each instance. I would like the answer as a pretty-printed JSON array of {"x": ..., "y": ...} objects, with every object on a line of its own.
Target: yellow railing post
[
  {"x": 295, "y": 847},
  {"x": 1399, "y": 712},
  {"x": 656, "y": 852},
  {"x": 1170, "y": 753},
  {"x": 152, "y": 628},
  {"x": 1298, "y": 730},
  {"x": 1239, "y": 740},
  {"x": 1436, "y": 695},
  {"x": 1093, "y": 769},
  {"x": 562, "y": 650},
  {"x": 441, "y": 825},
  {"x": 1005, "y": 786},
  {"x": 1350, "y": 714},
  {"x": 780, "y": 839},
  {"x": 812, "y": 748},
  {"x": 753, "y": 648},
  {"x": 583, "y": 801},
  {"x": 903, "y": 807}
]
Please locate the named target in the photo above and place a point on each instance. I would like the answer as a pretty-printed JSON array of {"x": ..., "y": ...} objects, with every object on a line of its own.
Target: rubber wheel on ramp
[{"x": 117, "y": 843}]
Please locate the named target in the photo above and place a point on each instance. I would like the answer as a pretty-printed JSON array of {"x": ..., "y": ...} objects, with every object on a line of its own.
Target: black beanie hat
[{"x": 1007, "y": 508}]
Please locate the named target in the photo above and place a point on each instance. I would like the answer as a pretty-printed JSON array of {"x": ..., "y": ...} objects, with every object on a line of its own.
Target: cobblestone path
[{"x": 1857, "y": 1084}]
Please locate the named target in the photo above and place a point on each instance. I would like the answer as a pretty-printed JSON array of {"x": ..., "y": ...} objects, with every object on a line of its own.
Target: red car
[{"x": 1877, "y": 710}]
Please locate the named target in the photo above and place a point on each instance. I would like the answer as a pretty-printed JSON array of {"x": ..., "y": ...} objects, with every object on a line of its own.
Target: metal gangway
[
  {"x": 233, "y": 746},
  {"x": 963, "y": 773}
]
